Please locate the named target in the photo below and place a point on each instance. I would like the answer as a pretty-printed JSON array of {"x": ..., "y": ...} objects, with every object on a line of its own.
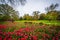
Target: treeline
[
  {"x": 7, "y": 13},
  {"x": 51, "y": 15}
]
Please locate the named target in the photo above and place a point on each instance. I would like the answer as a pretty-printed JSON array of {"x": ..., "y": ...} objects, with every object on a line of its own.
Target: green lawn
[{"x": 53, "y": 22}]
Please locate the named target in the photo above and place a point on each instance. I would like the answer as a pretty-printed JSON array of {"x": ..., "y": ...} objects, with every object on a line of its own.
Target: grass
[{"x": 53, "y": 22}]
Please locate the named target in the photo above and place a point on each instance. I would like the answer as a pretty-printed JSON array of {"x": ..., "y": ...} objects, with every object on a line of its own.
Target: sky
[{"x": 35, "y": 5}]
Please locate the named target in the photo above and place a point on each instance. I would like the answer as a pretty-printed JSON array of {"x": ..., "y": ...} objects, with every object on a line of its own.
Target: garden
[
  {"x": 29, "y": 20},
  {"x": 29, "y": 31}
]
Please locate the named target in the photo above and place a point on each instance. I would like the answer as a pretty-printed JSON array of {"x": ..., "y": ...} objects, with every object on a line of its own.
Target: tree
[
  {"x": 58, "y": 17},
  {"x": 52, "y": 7},
  {"x": 36, "y": 15},
  {"x": 21, "y": 18},
  {"x": 13, "y": 2},
  {"x": 7, "y": 12},
  {"x": 42, "y": 16},
  {"x": 52, "y": 13},
  {"x": 27, "y": 17}
]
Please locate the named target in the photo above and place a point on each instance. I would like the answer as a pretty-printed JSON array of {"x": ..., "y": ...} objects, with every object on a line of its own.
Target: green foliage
[
  {"x": 58, "y": 17},
  {"x": 13, "y": 2},
  {"x": 36, "y": 15},
  {"x": 10, "y": 29},
  {"x": 42, "y": 16},
  {"x": 7, "y": 13},
  {"x": 52, "y": 15},
  {"x": 27, "y": 17},
  {"x": 41, "y": 23},
  {"x": 52, "y": 7}
]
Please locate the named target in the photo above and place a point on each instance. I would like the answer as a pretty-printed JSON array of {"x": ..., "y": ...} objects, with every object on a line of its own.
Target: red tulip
[
  {"x": 53, "y": 38},
  {"x": 19, "y": 38},
  {"x": 34, "y": 38},
  {"x": 27, "y": 29},
  {"x": 25, "y": 36},
  {"x": 0, "y": 38},
  {"x": 10, "y": 38},
  {"x": 23, "y": 39}
]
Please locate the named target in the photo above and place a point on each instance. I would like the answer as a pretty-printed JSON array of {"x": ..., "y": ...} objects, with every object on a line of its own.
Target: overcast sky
[{"x": 36, "y": 5}]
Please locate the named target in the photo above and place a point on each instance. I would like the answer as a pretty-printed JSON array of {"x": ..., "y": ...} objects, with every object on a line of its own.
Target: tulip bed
[{"x": 33, "y": 32}]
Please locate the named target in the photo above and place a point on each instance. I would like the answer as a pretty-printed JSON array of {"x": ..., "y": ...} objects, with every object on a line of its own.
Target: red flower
[
  {"x": 5, "y": 38},
  {"x": 19, "y": 38},
  {"x": 46, "y": 35},
  {"x": 21, "y": 30},
  {"x": 2, "y": 27},
  {"x": 23, "y": 39},
  {"x": 17, "y": 33},
  {"x": 53, "y": 38},
  {"x": 21, "y": 34},
  {"x": 27, "y": 29},
  {"x": 1, "y": 32},
  {"x": 10, "y": 38},
  {"x": 25, "y": 36},
  {"x": 14, "y": 39},
  {"x": 10, "y": 33},
  {"x": 34, "y": 38},
  {"x": 0, "y": 38},
  {"x": 4, "y": 33},
  {"x": 56, "y": 38}
]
